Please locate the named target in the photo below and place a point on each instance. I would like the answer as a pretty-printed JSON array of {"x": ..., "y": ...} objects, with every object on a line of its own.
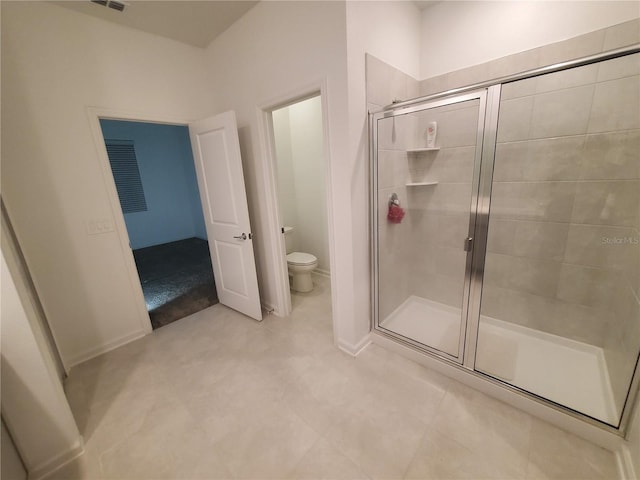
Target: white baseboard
[
  {"x": 107, "y": 347},
  {"x": 322, "y": 273},
  {"x": 45, "y": 469},
  {"x": 626, "y": 471},
  {"x": 354, "y": 349},
  {"x": 269, "y": 309}
]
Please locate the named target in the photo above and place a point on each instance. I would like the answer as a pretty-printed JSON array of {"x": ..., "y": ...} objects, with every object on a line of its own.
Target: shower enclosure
[{"x": 518, "y": 254}]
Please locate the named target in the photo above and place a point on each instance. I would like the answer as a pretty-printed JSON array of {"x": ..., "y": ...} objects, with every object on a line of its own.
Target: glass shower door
[
  {"x": 425, "y": 190},
  {"x": 560, "y": 311}
]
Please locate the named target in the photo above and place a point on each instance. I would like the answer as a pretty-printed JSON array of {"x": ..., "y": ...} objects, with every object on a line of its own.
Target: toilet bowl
[{"x": 300, "y": 266}]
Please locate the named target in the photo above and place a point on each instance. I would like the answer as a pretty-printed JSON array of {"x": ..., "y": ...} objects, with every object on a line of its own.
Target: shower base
[
  {"x": 567, "y": 372},
  {"x": 431, "y": 323}
]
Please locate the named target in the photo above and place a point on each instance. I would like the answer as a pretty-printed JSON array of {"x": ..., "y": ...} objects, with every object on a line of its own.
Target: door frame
[
  {"x": 96, "y": 114},
  {"x": 264, "y": 113}
]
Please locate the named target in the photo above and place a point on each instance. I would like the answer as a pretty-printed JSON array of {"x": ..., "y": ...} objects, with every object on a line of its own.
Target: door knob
[
  {"x": 468, "y": 244},
  {"x": 241, "y": 237}
]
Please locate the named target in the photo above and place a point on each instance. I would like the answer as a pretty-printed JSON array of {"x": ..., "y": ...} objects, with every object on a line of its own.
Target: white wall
[
  {"x": 389, "y": 30},
  {"x": 301, "y": 177},
  {"x": 456, "y": 35},
  {"x": 33, "y": 402},
  {"x": 56, "y": 63},
  {"x": 275, "y": 52}
]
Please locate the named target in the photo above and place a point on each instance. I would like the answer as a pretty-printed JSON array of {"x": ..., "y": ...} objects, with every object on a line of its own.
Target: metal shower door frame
[{"x": 467, "y": 337}]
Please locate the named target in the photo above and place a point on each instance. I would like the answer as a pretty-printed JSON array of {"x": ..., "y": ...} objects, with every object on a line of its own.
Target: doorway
[
  {"x": 300, "y": 166},
  {"x": 154, "y": 173}
]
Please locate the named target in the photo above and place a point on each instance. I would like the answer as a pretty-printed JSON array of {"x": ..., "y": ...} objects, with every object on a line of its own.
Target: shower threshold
[{"x": 567, "y": 372}]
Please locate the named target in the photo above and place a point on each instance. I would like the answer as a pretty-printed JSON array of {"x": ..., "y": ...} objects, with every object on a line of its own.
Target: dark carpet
[{"x": 177, "y": 279}]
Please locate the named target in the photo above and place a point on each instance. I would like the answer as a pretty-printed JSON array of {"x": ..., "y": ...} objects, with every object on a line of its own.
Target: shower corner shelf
[
  {"x": 420, "y": 184},
  {"x": 426, "y": 149}
]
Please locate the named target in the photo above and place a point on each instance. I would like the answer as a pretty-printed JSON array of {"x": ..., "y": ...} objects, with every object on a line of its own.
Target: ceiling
[{"x": 195, "y": 23}]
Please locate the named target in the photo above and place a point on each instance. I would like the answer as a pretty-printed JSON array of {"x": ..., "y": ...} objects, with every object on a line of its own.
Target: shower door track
[{"x": 489, "y": 94}]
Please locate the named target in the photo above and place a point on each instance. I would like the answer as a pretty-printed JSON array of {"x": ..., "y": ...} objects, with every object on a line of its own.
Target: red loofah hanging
[{"x": 396, "y": 212}]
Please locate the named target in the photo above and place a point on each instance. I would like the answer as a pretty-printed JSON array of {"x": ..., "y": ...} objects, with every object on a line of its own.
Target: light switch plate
[{"x": 98, "y": 226}]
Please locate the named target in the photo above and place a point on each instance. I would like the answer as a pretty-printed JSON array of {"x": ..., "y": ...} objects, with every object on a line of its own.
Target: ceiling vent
[{"x": 114, "y": 4}]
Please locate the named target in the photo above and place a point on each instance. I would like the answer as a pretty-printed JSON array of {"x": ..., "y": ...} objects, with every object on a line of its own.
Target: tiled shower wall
[
  {"x": 563, "y": 254},
  {"x": 439, "y": 214}
]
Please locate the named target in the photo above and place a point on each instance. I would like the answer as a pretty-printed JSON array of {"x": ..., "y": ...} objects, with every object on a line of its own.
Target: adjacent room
[
  {"x": 302, "y": 195},
  {"x": 155, "y": 177}
]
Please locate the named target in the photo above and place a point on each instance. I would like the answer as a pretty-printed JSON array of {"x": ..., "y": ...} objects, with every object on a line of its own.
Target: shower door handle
[{"x": 468, "y": 244}]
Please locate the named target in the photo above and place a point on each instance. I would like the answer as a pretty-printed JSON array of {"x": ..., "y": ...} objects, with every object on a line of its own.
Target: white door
[{"x": 216, "y": 151}]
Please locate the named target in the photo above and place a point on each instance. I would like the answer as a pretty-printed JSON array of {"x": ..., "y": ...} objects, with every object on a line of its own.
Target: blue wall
[{"x": 168, "y": 175}]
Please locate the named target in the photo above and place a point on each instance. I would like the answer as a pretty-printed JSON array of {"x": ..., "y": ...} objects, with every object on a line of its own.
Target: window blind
[{"x": 124, "y": 165}]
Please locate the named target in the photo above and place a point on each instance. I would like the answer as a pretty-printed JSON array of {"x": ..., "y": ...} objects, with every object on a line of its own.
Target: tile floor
[{"x": 217, "y": 395}]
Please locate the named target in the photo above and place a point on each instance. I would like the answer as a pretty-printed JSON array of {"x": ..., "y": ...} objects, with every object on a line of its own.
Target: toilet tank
[{"x": 288, "y": 239}]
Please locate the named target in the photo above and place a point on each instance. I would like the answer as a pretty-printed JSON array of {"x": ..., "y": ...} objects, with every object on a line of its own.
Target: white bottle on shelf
[{"x": 432, "y": 130}]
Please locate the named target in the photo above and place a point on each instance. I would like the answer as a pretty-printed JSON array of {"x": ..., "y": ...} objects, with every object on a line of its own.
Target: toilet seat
[{"x": 301, "y": 258}]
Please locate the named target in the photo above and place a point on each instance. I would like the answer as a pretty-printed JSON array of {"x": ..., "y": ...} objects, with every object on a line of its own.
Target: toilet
[{"x": 299, "y": 264}]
